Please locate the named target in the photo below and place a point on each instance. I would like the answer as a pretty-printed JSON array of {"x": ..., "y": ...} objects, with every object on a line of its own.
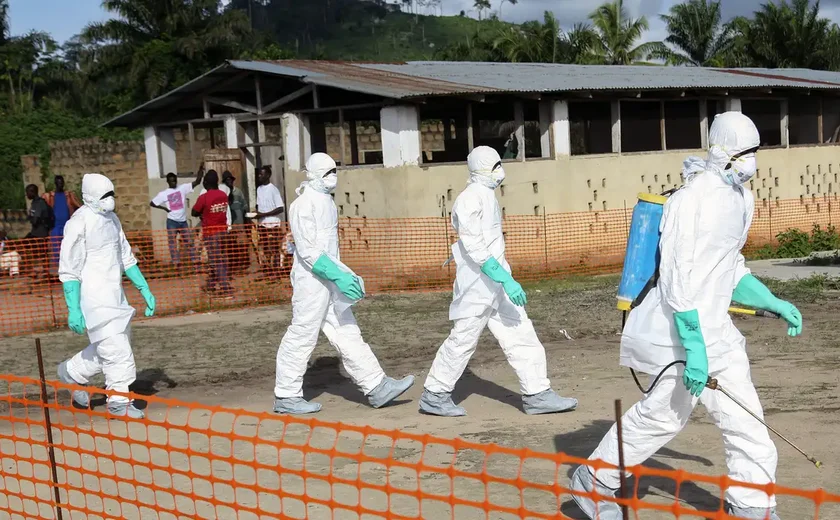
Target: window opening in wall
[
  {"x": 804, "y": 120},
  {"x": 440, "y": 140},
  {"x": 362, "y": 137},
  {"x": 713, "y": 108},
  {"x": 443, "y": 131},
  {"x": 640, "y": 126},
  {"x": 682, "y": 125},
  {"x": 831, "y": 120},
  {"x": 590, "y": 127},
  {"x": 494, "y": 125},
  {"x": 767, "y": 116}
]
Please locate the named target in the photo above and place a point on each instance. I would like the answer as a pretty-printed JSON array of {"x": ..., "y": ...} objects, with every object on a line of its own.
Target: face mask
[
  {"x": 741, "y": 170},
  {"x": 325, "y": 184},
  {"x": 107, "y": 205},
  {"x": 492, "y": 179},
  {"x": 330, "y": 181}
]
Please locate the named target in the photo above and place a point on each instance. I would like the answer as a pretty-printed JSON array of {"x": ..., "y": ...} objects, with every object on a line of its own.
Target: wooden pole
[
  {"x": 622, "y": 477},
  {"x": 48, "y": 425}
]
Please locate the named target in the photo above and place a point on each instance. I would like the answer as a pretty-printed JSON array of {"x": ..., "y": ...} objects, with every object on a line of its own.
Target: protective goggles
[{"x": 738, "y": 155}]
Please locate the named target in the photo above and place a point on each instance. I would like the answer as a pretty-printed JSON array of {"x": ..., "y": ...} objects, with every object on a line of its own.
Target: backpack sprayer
[{"x": 641, "y": 274}]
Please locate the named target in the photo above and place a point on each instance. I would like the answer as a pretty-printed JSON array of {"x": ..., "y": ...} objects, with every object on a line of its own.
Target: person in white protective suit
[
  {"x": 486, "y": 295},
  {"x": 685, "y": 317},
  {"x": 323, "y": 291},
  {"x": 94, "y": 256}
]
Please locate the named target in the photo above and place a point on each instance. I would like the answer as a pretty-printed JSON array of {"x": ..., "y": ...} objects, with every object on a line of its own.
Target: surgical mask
[
  {"x": 107, "y": 204},
  {"x": 741, "y": 170},
  {"x": 330, "y": 181},
  {"x": 492, "y": 179},
  {"x": 325, "y": 184}
]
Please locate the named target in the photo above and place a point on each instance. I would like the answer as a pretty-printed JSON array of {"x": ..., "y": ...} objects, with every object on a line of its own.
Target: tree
[
  {"x": 22, "y": 60},
  {"x": 695, "y": 30},
  {"x": 481, "y": 6},
  {"x": 502, "y": 2},
  {"x": 4, "y": 21},
  {"x": 787, "y": 35},
  {"x": 618, "y": 34},
  {"x": 156, "y": 45}
]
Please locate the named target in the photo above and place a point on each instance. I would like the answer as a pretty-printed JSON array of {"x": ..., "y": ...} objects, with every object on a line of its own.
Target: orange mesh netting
[
  {"x": 197, "y": 461},
  {"x": 390, "y": 254}
]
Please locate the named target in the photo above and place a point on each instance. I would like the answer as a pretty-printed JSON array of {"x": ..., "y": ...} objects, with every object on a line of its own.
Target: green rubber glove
[
  {"x": 696, "y": 372},
  {"x": 133, "y": 273},
  {"x": 750, "y": 291},
  {"x": 346, "y": 282},
  {"x": 73, "y": 296},
  {"x": 494, "y": 270}
]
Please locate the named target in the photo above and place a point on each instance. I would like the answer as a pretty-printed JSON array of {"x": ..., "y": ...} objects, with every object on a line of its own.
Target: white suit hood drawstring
[
  {"x": 321, "y": 174},
  {"x": 485, "y": 167},
  {"x": 94, "y": 187},
  {"x": 733, "y": 141}
]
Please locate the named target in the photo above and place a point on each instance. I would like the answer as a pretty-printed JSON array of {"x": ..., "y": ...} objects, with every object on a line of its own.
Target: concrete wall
[{"x": 570, "y": 184}]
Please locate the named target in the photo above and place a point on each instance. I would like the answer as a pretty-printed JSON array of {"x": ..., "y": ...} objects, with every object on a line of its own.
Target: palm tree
[
  {"x": 156, "y": 45},
  {"x": 502, "y": 2},
  {"x": 481, "y": 6},
  {"x": 788, "y": 35},
  {"x": 618, "y": 34},
  {"x": 694, "y": 29}
]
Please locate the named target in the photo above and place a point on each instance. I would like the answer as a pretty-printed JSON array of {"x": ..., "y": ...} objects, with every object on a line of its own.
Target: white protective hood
[
  {"x": 732, "y": 133},
  {"x": 317, "y": 167},
  {"x": 485, "y": 167},
  {"x": 94, "y": 186}
]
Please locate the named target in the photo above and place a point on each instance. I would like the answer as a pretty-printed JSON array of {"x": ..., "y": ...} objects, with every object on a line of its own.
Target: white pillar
[
  {"x": 306, "y": 138},
  {"x": 545, "y": 129},
  {"x": 292, "y": 145},
  {"x": 251, "y": 166},
  {"x": 561, "y": 129},
  {"x": 168, "y": 160},
  {"x": 152, "y": 144},
  {"x": 704, "y": 124},
  {"x": 732, "y": 104},
  {"x": 615, "y": 109},
  {"x": 784, "y": 120},
  {"x": 400, "y": 136},
  {"x": 231, "y": 133}
]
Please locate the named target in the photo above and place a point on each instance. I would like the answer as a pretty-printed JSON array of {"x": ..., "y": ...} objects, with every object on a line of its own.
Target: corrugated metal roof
[
  {"x": 426, "y": 78},
  {"x": 544, "y": 77}
]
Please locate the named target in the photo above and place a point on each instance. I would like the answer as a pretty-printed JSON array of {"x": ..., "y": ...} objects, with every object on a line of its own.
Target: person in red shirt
[{"x": 212, "y": 208}]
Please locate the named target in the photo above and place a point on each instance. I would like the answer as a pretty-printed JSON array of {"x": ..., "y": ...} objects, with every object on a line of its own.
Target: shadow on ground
[{"x": 581, "y": 443}]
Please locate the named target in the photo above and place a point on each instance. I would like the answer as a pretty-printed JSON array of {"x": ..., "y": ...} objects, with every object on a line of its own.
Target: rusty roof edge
[{"x": 793, "y": 79}]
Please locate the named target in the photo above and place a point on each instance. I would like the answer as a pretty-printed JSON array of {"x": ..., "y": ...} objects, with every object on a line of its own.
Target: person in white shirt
[
  {"x": 269, "y": 209},
  {"x": 173, "y": 200}
]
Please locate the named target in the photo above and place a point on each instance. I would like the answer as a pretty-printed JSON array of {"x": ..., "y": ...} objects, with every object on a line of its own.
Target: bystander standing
[{"x": 212, "y": 208}]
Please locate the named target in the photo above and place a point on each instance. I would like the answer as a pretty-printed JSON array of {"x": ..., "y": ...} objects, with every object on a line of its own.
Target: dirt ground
[{"x": 227, "y": 359}]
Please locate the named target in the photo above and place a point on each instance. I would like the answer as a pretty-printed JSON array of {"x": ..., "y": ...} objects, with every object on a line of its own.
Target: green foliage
[
  {"x": 30, "y": 133},
  {"x": 802, "y": 290},
  {"x": 696, "y": 32},
  {"x": 794, "y": 243}
]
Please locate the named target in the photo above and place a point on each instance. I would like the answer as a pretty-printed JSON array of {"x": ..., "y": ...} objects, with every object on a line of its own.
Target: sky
[{"x": 66, "y": 18}]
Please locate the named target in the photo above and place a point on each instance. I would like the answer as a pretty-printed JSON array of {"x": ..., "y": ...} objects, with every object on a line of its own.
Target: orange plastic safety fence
[
  {"x": 196, "y": 461},
  {"x": 390, "y": 254}
]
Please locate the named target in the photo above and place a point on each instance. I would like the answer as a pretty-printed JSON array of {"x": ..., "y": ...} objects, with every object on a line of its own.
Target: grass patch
[
  {"x": 805, "y": 290},
  {"x": 574, "y": 284}
]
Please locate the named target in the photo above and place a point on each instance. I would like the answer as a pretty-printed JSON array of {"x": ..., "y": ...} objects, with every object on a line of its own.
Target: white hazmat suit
[
  {"x": 318, "y": 304},
  {"x": 478, "y": 301},
  {"x": 704, "y": 226},
  {"x": 96, "y": 253}
]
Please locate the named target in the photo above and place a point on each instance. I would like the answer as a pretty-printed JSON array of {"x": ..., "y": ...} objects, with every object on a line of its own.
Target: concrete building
[{"x": 576, "y": 138}]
